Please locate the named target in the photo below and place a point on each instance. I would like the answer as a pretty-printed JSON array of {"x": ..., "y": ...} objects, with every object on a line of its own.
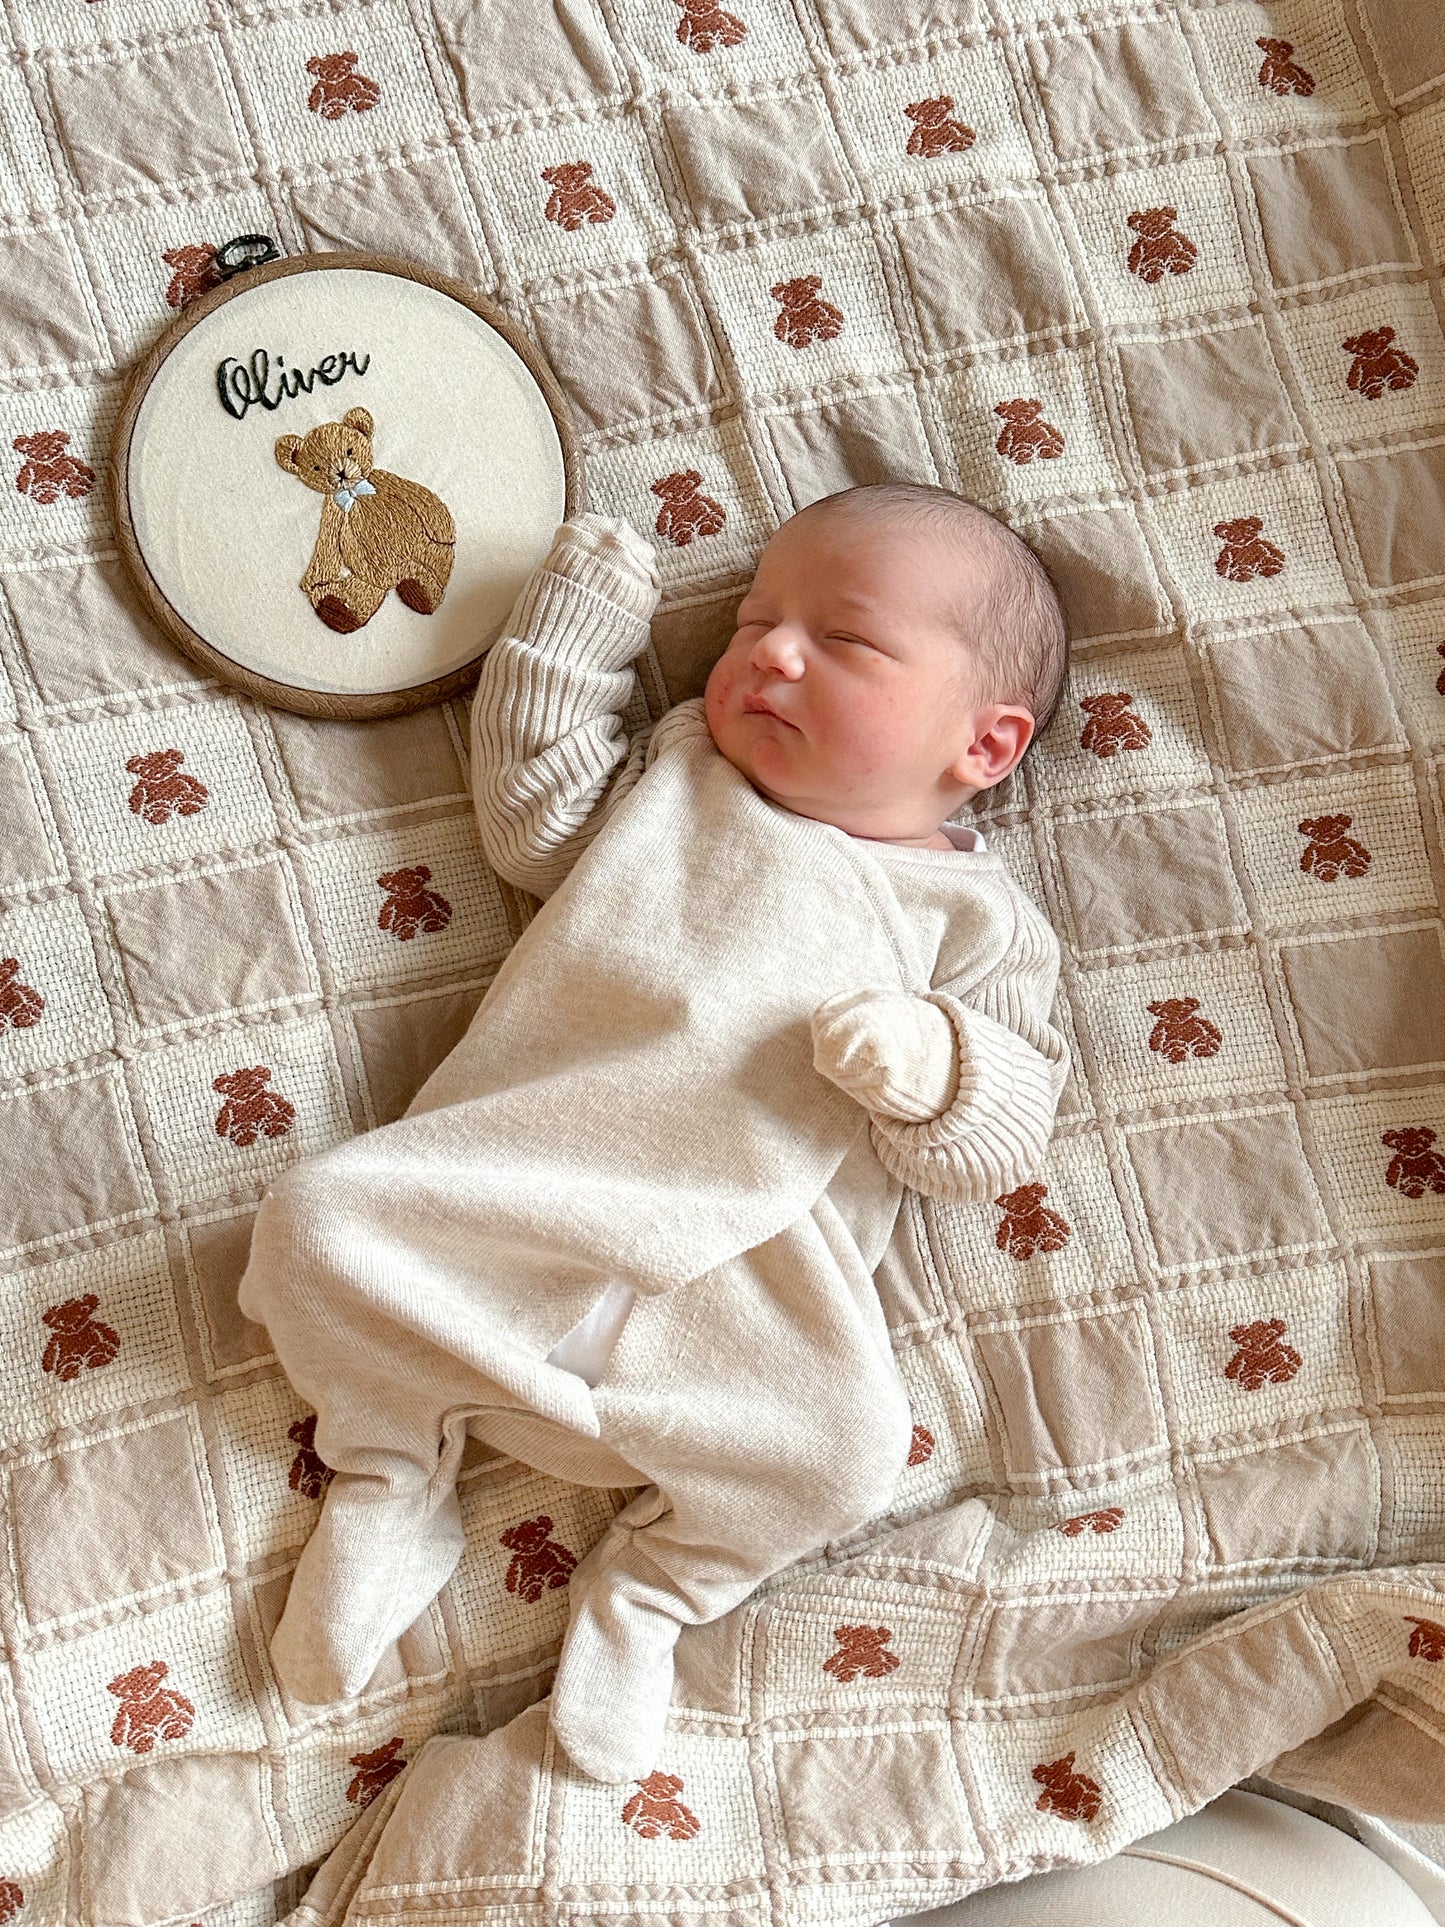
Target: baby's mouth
[{"x": 757, "y": 706}]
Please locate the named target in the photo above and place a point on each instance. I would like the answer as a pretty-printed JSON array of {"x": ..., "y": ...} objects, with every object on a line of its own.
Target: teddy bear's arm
[
  {"x": 434, "y": 515},
  {"x": 326, "y": 566}
]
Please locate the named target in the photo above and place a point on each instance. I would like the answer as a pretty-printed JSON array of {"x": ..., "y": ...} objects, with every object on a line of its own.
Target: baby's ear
[
  {"x": 286, "y": 447},
  {"x": 358, "y": 419}
]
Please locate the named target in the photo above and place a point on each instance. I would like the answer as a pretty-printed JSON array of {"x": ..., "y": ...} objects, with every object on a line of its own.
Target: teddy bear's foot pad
[
  {"x": 335, "y": 614},
  {"x": 416, "y": 597}
]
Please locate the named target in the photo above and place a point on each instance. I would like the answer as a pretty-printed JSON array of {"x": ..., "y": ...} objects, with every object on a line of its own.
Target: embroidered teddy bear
[{"x": 379, "y": 532}]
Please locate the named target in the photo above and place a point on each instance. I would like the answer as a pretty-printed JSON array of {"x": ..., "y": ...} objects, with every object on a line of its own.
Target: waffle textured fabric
[{"x": 1160, "y": 282}]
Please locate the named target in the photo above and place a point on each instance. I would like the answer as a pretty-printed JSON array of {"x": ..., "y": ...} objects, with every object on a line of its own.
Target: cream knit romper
[{"x": 635, "y": 1110}]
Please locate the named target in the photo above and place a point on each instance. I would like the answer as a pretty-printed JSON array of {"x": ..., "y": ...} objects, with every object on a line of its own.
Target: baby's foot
[
  {"x": 609, "y": 557},
  {"x": 614, "y": 1681}
]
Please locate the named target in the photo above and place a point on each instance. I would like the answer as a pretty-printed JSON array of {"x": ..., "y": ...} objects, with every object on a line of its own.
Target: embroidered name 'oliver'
[{"x": 242, "y": 384}]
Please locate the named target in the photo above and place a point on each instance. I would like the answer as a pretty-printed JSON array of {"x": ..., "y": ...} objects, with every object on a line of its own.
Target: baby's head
[{"x": 896, "y": 652}]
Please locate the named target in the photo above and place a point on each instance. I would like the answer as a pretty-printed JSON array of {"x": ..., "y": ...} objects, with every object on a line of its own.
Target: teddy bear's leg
[
  {"x": 350, "y": 604},
  {"x": 423, "y": 588}
]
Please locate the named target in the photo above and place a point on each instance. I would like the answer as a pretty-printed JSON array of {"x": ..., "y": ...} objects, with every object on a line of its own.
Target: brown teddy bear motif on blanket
[{"x": 379, "y": 532}]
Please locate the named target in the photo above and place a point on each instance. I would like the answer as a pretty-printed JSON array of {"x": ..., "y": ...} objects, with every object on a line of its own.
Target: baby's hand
[
  {"x": 894, "y": 1054},
  {"x": 608, "y": 556}
]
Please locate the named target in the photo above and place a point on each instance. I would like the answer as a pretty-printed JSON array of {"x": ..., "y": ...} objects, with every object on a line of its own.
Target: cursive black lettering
[{"x": 241, "y": 385}]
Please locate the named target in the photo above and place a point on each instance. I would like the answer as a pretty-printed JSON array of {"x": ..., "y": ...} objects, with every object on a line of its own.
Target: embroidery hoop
[{"x": 556, "y": 485}]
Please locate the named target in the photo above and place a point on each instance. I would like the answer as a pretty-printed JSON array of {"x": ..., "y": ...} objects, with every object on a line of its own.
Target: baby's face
[{"x": 845, "y": 694}]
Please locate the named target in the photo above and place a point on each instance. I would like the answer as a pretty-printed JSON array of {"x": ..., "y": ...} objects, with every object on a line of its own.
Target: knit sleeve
[
  {"x": 1012, "y": 1063},
  {"x": 550, "y": 753}
]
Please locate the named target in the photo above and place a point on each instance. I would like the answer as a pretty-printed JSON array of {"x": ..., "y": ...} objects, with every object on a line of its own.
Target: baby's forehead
[{"x": 897, "y": 552}]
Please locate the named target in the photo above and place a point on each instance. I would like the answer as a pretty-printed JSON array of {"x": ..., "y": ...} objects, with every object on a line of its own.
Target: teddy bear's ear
[
  {"x": 358, "y": 419},
  {"x": 286, "y": 447}
]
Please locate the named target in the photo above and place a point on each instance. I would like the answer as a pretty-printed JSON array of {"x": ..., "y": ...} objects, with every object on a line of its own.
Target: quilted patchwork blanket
[{"x": 1159, "y": 281}]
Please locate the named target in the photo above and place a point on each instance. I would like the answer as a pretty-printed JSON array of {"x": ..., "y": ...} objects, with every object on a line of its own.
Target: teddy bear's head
[
  {"x": 1373, "y": 341},
  {"x": 140, "y": 1682},
  {"x": 1019, "y": 412},
  {"x": 568, "y": 175},
  {"x": 795, "y": 294},
  {"x": 1412, "y": 1141},
  {"x": 242, "y": 1084},
  {"x": 529, "y": 1536},
  {"x": 1152, "y": 223},
  {"x": 1107, "y": 707},
  {"x": 1324, "y": 829},
  {"x": 333, "y": 454},
  {"x": 1239, "y": 530},
  {"x": 930, "y": 113},
  {"x": 73, "y": 1315},
  {"x": 1174, "y": 1009},
  {"x": 679, "y": 487}
]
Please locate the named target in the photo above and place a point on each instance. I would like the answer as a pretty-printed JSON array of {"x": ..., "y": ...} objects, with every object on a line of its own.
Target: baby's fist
[
  {"x": 609, "y": 557},
  {"x": 894, "y": 1054}
]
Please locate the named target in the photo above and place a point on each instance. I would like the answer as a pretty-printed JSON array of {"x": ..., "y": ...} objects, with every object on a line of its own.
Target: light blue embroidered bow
[{"x": 345, "y": 496}]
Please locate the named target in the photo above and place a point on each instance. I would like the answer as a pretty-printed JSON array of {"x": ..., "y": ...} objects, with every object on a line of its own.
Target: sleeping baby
[{"x": 626, "y": 1231}]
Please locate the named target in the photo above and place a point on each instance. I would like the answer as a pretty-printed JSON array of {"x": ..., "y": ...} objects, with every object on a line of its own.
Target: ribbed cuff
[{"x": 577, "y": 624}]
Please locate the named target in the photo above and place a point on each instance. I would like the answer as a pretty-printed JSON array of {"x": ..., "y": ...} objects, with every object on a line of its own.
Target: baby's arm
[
  {"x": 961, "y": 1101},
  {"x": 550, "y": 755}
]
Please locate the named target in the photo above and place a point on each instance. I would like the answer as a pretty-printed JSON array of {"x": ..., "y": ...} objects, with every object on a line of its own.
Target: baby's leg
[
  {"x": 371, "y": 1271},
  {"x": 763, "y": 1403}
]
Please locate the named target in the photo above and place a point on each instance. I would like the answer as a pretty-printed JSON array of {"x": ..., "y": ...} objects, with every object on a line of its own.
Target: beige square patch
[
  {"x": 86, "y": 636},
  {"x": 230, "y": 1110},
  {"x": 634, "y": 352},
  {"x": 805, "y": 311},
  {"x": 1077, "y": 1394},
  {"x": 1385, "y": 1158},
  {"x": 1251, "y": 544},
  {"x": 1315, "y": 1501},
  {"x": 1345, "y": 844},
  {"x": 71, "y": 1558},
  {"x": 1118, "y": 90},
  {"x": 1217, "y": 1188},
  {"x": 689, "y": 637},
  {"x": 1394, "y": 502},
  {"x": 868, "y": 24},
  {"x": 225, "y": 940},
  {"x": 1064, "y": 1240},
  {"x": 388, "y": 209},
  {"x": 697, "y": 497},
  {"x": 1371, "y": 1001},
  {"x": 401, "y": 1043},
  {"x": 1127, "y": 725},
  {"x": 948, "y": 119},
  {"x": 48, "y": 319},
  {"x": 30, "y": 850},
  {"x": 1143, "y": 877},
  {"x": 1290, "y": 1361},
  {"x": 408, "y": 901},
  {"x": 1100, "y": 565},
  {"x": 1330, "y": 211},
  {"x": 1409, "y": 1333},
  {"x": 168, "y": 116},
  {"x": 1182, "y": 1028},
  {"x": 749, "y": 159},
  {"x": 123, "y": 1349},
  {"x": 870, "y": 438},
  {"x": 1175, "y": 221},
  {"x": 1310, "y": 694},
  {"x": 1204, "y": 399},
  {"x": 1409, "y": 57},
  {"x": 340, "y": 771},
  {"x": 72, "y": 1161},
  {"x": 1063, "y": 1647},
  {"x": 216, "y": 1252},
  {"x": 1372, "y": 362},
  {"x": 991, "y": 271},
  {"x": 1030, "y": 427},
  {"x": 514, "y": 52},
  {"x": 879, "y": 1799},
  {"x": 58, "y": 1012},
  {"x": 128, "y": 1872}
]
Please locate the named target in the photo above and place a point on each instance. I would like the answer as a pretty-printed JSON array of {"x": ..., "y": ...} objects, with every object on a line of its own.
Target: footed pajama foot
[
  {"x": 614, "y": 1681},
  {"x": 370, "y": 1569}
]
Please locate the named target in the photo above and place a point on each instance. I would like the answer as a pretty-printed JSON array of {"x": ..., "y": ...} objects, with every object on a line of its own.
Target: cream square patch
[
  {"x": 73, "y": 1160},
  {"x": 1342, "y": 845},
  {"x": 1127, "y": 725},
  {"x": 56, "y": 499},
  {"x": 1175, "y": 223},
  {"x": 230, "y": 1111},
  {"x": 410, "y": 901},
  {"x": 1251, "y": 544},
  {"x": 52, "y": 1008},
  {"x": 1181, "y": 1028},
  {"x": 1130, "y": 1530},
  {"x": 890, "y": 1798},
  {"x": 705, "y": 49},
  {"x": 1417, "y": 635},
  {"x": 120, "y": 1350},
  {"x": 697, "y": 497},
  {"x": 1385, "y": 1156},
  {"x": 1250, "y": 1354},
  {"x": 858, "y": 1647},
  {"x": 950, "y": 1447},
  {"x": 805, "y": 311},
  {"x": 1029, "y": 428},
  {"x": 575, "y": 197},
  {"x": 1066, "y": 1785},
  {"x": 1372, "y": 363},
  {"x": 274, "y": 1478},
  {"x": 1308, "y": 77},
  {"x": 946, "y": 123},
  {"x": 162, "y": 786}
]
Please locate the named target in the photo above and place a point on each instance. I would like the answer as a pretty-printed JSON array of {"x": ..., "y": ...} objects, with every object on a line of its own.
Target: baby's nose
[{"x": 779, "y": 649}]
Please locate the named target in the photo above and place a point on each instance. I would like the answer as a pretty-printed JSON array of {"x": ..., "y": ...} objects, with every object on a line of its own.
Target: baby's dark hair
[{"x": 1017, "y": 632}]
